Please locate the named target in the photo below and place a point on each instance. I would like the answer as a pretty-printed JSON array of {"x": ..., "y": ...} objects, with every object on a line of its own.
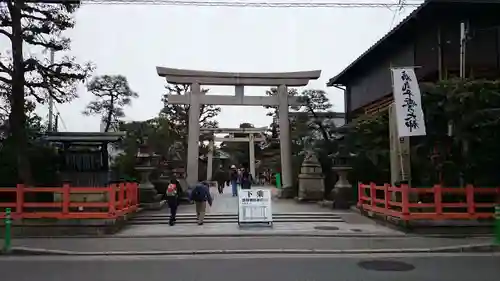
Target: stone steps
[
  {"x": 188, "y": 218},
  {"x": 184, "y": 218}
]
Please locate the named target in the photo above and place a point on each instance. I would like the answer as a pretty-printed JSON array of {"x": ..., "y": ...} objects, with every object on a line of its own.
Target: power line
[
  {"x": 256, "y": 4},
  {"x": 397, "y": 11}
]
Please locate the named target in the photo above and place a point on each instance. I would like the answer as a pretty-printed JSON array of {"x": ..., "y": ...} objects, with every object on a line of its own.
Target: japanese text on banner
[{"x": 408, "y": 103}]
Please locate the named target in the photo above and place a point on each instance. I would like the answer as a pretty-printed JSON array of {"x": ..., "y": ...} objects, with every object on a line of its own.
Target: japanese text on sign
[{"x": 255, "y": 206}]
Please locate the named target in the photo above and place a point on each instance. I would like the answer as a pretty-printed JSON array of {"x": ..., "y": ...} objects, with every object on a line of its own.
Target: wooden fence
[
  {"x": 117, "y": 200},
  {"x": 469, "y": 203}
]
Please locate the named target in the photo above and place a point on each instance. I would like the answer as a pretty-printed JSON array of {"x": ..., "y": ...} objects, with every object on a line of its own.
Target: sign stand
[{"x": 254, "y": 207}]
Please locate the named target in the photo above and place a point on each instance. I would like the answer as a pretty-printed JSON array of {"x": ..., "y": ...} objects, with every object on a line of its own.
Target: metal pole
[
  {"x": 51, "y": 99},
  {"x": 8, "y": 234}
]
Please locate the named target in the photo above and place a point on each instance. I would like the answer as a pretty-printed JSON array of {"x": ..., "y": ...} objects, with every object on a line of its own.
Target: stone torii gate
[
  {"x": 196, "y": 98},
  {"x": 251, "y": 139}
]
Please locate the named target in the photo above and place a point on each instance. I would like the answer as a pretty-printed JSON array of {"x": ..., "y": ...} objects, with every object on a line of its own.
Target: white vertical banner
[{"x": 407, "y": 102}]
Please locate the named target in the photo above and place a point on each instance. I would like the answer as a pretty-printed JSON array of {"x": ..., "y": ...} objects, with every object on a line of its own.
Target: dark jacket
[
  {"x": 204, "y": 194},
  {"x": 246, "y": 180},
  {"x": 233, "y": 176},
  {"x": 220, "y": 176}
]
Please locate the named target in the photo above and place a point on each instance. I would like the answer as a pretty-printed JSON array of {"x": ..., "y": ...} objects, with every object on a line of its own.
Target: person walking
[
  {"x": 234, "y": 180},
  {"x": 246, "y": 179},
  {"x": 221, "y": 178},
  {"x": 201, "y": 196},
  {"x": 173, "y": 194}
]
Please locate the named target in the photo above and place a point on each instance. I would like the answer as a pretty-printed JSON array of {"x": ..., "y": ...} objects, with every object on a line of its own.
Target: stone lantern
[
  {"x": 146, "y": 164},
  {"x": 311, "y": 179},
  {"x": 342, "y": 192}
]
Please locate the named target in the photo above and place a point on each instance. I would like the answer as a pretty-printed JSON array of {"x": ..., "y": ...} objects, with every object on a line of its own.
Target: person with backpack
[
  {"x": 246, "y": 179},
  {"x": 173, "y": 194},
  {"x": 201, "y": 195}
]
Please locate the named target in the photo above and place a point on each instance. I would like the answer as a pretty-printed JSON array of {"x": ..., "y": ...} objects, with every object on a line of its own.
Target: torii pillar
[{"x": 195, "y": 98}]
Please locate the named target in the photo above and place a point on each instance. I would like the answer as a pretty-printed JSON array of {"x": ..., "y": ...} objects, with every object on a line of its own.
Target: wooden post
[
  {"x": 112, "y": 200},
  {"x": 66, "y": 198},
  {"x": 361, "y": 192},
  {"x": 373, "y": 195},
  {"x": 386, "y": 196},
  {"x": 438, "y": 199},
  {"x": 121, "y": 196},
  {"x": 19, "y": 199},
  {"x": 405, "y": 199},
  {"x": 469, "y": 192}
]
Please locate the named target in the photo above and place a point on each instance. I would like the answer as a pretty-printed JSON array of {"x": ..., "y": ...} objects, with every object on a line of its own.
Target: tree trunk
[
  {"x": 17, "y": 117},
  {"x": 110, "y": 114}
]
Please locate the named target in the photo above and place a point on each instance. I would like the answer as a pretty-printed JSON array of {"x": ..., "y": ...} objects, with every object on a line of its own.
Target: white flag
[{"x": 408, "y": 103}]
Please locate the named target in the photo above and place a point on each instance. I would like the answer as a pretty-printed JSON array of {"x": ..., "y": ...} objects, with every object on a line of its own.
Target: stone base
[
  {"x": 66, "y": 228},
  {"x": 342, "y": 198},
  {"x": 286, "y": 193},
  {"x": 311, "y": 187},
  {"x": 154, "y": 205},
  {"x": 310, "y": 195},
  {"x": 149, "y": 195},
  {"x": 326, "y": 203}
]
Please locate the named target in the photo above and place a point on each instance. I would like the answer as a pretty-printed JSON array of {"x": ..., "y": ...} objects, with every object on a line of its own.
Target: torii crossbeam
[{"x": 251, "y": 139}]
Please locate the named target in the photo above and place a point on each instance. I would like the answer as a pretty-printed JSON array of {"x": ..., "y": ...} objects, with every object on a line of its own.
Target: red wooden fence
[
  {"x": 380, "y": 202},
  {"x": 122, "y": 199}
]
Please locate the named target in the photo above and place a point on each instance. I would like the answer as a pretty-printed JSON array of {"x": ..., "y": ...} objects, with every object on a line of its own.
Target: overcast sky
[{"x": 132, "y": 40}]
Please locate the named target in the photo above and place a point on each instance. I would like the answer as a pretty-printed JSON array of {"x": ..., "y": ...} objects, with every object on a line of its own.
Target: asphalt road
[
  {"x": 251, "y": 268},
  {"x": 239, "y": 243}
]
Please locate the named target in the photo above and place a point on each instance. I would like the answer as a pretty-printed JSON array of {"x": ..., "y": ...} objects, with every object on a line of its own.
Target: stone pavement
[{"x": 186, "y": 244}]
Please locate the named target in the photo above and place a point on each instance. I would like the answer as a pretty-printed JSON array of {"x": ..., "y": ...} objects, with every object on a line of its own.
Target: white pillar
[
  {"x": 285, "y": 141},
  {"x": 193, "y": 135},
  {"x": 251, "y": 145},
  {"x": 210, "y": 160}
]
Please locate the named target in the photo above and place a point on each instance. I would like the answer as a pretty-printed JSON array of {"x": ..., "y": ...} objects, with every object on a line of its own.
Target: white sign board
[
  {"x": 254, "y": 206},
  {"x": 408, "y": 102}
]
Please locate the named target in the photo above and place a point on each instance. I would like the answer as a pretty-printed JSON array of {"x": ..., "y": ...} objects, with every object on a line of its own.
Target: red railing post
[
  {"x": 135, "y": 193},
  {"x": 360, "y": 194},
  {"x": 387, "y": 197},
  {"x": 126, "y": 186},
  {"x": 405, "y": 199},
  {"x": 112, "y": 200},
  {"x": 373, "y": 195},
  {"x": 66, "y": 198},
  {"x": 19, "y": 200},
  {"x": 438, "y": 199},
  {"x": 121, "y": 196},
  {"x": 469, "y": 194}
]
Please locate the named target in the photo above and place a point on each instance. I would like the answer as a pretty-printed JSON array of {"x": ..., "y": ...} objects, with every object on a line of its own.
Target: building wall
[
  {"x": 376, "y": 82},
  {"x": 482, "y": 59}
]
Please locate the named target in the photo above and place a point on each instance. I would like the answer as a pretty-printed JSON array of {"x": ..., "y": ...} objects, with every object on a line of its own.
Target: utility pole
[
  {"x": 51, "y": 99},
  {"x": 56, "y": 124},
  {"x": 463, "y": 44},
  {"x": 464, "y": 26}
]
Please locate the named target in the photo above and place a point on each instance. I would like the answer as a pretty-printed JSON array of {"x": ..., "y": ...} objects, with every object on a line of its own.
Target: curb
[
  {"x": 250, "y": 235},
  {"x": 477, "y": 248}
]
